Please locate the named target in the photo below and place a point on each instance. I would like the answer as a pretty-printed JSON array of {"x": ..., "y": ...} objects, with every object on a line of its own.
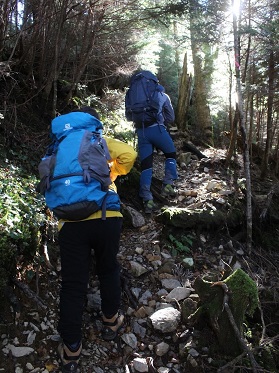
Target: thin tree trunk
[
  {"x": 270, "y": 99},
  {"x": 244, "y": 136},
  {"x": 233, "y": 136}
]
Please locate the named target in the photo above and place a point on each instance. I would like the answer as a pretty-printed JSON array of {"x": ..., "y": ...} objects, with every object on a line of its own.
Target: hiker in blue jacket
[
  {"x": 152, "y": 132},
  {"x": 77, "y": 239}
]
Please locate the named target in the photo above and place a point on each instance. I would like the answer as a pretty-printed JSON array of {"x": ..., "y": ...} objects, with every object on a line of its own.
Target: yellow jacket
[{"x": 122, "y": 159}]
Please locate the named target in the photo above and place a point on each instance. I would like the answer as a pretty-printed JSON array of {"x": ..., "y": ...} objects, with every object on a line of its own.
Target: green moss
[
  {"x": 244, "y": 293},
  {"x": 187, "y": 218}
]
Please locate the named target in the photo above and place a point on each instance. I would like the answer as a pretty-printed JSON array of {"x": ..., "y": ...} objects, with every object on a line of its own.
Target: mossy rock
[{"x": 188, "y": 218}]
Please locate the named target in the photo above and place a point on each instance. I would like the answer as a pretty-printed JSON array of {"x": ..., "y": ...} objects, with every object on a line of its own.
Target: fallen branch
[
  {"x": 126, "y": 289},
  {"x": 231, "y": 363},
  {"x": 268, "y": 202},
  {"x": 14, "y": 301},
  {"x": 244, "y": 346},
  {"x": 46, "y": 256},
  {"x": 30, "y": 293}
]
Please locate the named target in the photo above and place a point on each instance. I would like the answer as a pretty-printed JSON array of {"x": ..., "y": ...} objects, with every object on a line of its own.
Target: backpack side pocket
[{"x": 45, "y": 167}]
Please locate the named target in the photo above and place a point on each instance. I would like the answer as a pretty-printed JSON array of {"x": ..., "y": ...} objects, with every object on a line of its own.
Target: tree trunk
[
  {"x": 200, "y": 117},
  {"x": 270, "y": 99},
  {"x": 183, "y": 97},
  {"x": 243, "y": 134},
  {"x": 233, "y": 137}
]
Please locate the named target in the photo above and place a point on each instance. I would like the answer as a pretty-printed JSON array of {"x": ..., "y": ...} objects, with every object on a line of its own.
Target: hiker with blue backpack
[
  {"x": 77, "y": 179},
  {"x": 151, "y": 111}
]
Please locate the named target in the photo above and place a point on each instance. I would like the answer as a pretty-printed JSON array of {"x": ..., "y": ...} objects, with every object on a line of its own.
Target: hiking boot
[
  {"x": 69, "y": 359},
  {"x": 168, "y": 191},
  {"x": 149, "y": 206}
]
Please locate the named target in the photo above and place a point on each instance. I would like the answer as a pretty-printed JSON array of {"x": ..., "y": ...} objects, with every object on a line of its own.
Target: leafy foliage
[
  {"x": 181, "y": 245},
  {"x": 20, "y": 220}
]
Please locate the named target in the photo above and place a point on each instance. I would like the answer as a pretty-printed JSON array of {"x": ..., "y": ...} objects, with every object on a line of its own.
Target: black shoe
[{"x": 69, "y": 363}]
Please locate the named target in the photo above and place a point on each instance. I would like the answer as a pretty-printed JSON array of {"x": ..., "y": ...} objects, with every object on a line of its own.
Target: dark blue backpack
[
  {"x": 74, "y": 173},
  {"x": 143, "y": 101}
]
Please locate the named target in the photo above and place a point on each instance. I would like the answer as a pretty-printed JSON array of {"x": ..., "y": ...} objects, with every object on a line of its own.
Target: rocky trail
[{"x": 158, "y": 272}]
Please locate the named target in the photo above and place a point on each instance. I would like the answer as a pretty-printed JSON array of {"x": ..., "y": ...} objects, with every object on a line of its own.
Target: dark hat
[{"x": 89, "y": 110}]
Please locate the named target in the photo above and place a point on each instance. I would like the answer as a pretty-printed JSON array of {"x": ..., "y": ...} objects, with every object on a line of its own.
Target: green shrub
[{"x": 21, "y": 216}]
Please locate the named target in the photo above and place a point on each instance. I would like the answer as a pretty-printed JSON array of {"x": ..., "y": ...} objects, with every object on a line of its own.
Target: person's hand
[{"x": 113, "y": 172}]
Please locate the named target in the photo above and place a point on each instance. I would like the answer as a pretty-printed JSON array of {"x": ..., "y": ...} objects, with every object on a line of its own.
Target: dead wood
[
  {"x": 30, "y": 293},
  {"x": 272, "y": 191},
  {"x": 126, "y": 289},
  {"x": 241, "y": 341},
  {"x": 14, "y": 301},
  {"x": 193, "y": 149},
  {"x": 241, "y": 292}
]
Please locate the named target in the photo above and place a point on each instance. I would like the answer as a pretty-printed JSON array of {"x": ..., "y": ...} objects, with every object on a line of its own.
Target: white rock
[
  {"x": 29, "y": 366},
  {"x": 178, "y": 294},
  {"x": 44, "y": 326},
  {"x": 225, "y": 192},
  {"x": 137, "y": 269},
  {"x": 98, "y": 370},
  {"x": 146, "y": 296},
  {"x": 31, "y": 338},
  {"x": 20, "y": 351},
  {"x": 139, "y": 250},
  {"x": 202, "y": 238},
  {"x": 237, "y": 265},
  {"x": 163, "y": 370},
  {"x": 140, "y": 364},
  {"x": 166, "y": 320},
  {"x": 213, "y": 185},
  {"x": 36, "y": 370},
  {"x": 136, "y": 292},
  {"x": 130, "y": 339},
  {"x": 166, "y": 255},
  {"x": 137, "y": 218},
  {"x": 221, "y": 201},
  {"x": 193, "y": 352},
  {"x": 162, "y": 305},
  {"x": 162, "y": 292},
  {"x": 139, "y": 330},
  {"x": 189, "y": 262},
  {"x": 170, "y": 283},
  {"x": 161, "y": 349},
  {"x": 192, "y": 361},
  {"x": 34, "y": 327}
]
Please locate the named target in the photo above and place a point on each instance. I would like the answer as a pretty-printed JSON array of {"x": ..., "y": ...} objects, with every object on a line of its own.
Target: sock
[{"x": 73, "y": 347}]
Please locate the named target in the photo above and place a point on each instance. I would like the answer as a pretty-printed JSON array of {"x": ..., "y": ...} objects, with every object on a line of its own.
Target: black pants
[{"x": 76, "y": 241}]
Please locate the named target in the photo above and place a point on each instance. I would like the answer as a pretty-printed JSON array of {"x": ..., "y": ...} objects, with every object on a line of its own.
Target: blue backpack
[
  {"x": 75, "y": 173},
  {"x": 143, "y": 103}
]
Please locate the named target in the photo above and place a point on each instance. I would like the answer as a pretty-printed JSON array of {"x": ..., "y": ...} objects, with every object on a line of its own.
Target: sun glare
[{"x": 236, "y": 7}]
